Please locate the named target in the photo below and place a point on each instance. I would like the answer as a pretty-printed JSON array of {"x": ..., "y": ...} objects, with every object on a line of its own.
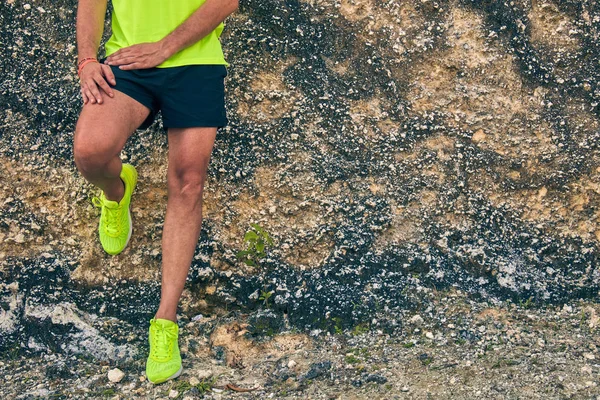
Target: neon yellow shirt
[{"x": 142, "y": 21}]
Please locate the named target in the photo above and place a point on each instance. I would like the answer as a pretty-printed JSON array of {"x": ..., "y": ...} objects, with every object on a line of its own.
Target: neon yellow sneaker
[
  {"x": 164, "y": 360},
  {"x": 115, "y": 218}
]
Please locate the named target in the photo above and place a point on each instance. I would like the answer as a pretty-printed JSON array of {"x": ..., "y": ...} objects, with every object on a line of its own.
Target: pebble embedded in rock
[
  {"x": 115, "y": 375},
  {"x": 204, "y": 374},
  {"x": 586, "y": 369}
]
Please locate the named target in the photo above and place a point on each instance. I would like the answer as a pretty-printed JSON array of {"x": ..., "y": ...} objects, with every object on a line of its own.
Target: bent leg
[
  {"x": 189, "y": 155},
  {"x": 101, "y": 133}
]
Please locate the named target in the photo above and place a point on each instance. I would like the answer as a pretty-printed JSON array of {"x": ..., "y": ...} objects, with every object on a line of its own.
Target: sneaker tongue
[
  {"x": 111, "y": 204},
  {"x": 164, "y": 322}
]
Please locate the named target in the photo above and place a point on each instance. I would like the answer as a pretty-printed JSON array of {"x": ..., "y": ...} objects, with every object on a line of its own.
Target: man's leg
[
  {"x": 189, "y": 155},
  {"x": 101, "y": 133}
]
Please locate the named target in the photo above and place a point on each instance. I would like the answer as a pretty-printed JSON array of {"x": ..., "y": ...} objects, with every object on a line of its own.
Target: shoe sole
[
  {"x": 135, "y": 176},
  {"x": 130, "y": 227},
  {"x": 175, "y": 375}
]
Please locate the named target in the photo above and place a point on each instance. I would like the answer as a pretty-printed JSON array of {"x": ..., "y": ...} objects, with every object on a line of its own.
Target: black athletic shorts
[{"x": 187, "y": 96}]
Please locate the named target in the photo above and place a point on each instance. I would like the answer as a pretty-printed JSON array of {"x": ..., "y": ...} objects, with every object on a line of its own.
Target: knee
[
  {"x": 90, "y": 157},
  {"x": 186, "y": 186}
]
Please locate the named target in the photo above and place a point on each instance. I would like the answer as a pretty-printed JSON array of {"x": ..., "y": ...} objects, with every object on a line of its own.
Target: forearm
[
  {"x": 203, "y": 21},
  {"x": 90, "y": 25}
]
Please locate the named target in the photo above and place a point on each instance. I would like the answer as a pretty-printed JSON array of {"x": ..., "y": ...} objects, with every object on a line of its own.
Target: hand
[
  {"x": 138, "y": 56},
  {"x": 94, "y": 77}
]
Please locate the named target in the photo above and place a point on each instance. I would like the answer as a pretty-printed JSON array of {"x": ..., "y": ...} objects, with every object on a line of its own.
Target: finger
[
  {"x": 135, "y": 65},
  {"x": 124, "y": 60},
  {"x": 95, "y": 86},
  {"x": 84, "y": 97},
  {"x": 113, "y": 55},
  {"x": 118, "y": 55},
  {"x": 110, "y": 77},
  {"x": 97, "y": 97},
  {"x": 104, "y": 86},
  {"x": 88, "y": 95}
]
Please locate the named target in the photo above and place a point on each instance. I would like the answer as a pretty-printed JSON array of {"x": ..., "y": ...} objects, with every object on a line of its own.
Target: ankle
[
  {"x": 117, "y": 192},
  {"x": 164, "y": 315}
]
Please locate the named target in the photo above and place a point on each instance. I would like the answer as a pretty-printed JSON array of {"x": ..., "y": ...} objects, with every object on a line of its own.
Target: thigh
[
  {"x": 189, "y": 153},
  {"x": 107, "y": 126}
]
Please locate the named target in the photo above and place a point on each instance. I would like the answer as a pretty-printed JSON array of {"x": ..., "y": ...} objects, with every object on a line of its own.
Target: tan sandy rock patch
[
  {"x": 269, "y": 97},
  {"x": 475, "y": 81},
  {"x": 566, "y": 213},
  {"x": 552, "y": 28},
  {"x": 242, "y": 352},
  {"x": 295, "y": 212}
]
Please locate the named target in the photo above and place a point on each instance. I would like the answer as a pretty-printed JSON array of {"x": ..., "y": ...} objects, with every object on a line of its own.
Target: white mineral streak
[{"x": 88, "y": 339}]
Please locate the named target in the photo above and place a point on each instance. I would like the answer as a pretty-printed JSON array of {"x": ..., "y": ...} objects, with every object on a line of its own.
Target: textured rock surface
[{"x": 391, "y": 149}]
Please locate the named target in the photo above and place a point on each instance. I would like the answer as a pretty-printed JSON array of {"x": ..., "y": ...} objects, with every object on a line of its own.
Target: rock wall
[{"x": 391, "y": 149}]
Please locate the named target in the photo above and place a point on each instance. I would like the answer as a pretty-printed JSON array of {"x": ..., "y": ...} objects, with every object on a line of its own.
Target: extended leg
[
  {"x": 189, "y": 155},
  {"x": 101, "y": 133}
]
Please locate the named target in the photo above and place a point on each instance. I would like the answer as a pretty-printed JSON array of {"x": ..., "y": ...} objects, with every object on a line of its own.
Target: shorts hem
[{"x": 212, "y": 124}]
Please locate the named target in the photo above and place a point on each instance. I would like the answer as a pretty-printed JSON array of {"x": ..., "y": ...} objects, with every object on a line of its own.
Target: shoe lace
[
  {"x": 161, "y": 344},
  {"x": 110, "y": 217}
]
